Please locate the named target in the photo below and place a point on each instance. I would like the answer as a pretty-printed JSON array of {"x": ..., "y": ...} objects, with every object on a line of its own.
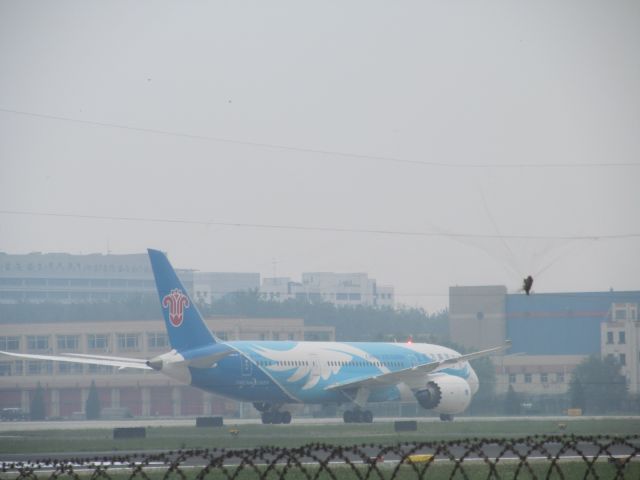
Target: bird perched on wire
[{"x": 527, "y": 283}]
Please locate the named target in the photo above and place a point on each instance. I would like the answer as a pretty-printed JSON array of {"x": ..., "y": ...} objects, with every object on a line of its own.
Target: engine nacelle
[{"x": 446, "y": 394}]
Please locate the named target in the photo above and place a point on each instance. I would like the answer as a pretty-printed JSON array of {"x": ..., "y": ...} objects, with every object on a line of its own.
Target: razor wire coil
[{"x": 529, "y": 457}]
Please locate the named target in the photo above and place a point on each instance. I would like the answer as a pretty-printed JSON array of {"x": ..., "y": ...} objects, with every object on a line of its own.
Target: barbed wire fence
[{"x": 534, "y": 457}]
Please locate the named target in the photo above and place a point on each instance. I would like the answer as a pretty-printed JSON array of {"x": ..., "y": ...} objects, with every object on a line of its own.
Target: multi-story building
[
  {"x": 143, "y": 393},
  {"x": 211, "y": 286},
  {"x": 337, "y": 288},
  {"x": 551, "y": 333},
  {"x": 69, "y": 278},
  {"x": 620, "y": 339}
]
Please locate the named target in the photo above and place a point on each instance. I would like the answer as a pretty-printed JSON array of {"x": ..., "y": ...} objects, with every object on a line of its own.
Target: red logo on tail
[{"x": 177, "y": 302}]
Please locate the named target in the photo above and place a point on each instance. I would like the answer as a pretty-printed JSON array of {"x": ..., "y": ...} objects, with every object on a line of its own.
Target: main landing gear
[
  {"x": 446, "y": 417},
  {"x": 276, "y": 417},
  {"x": 271, "y": 415},
  {"x": 357, "y": 416}
]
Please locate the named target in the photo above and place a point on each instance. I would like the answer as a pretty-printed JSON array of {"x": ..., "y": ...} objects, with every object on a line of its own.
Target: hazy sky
[{"x": 475, "y": 84}]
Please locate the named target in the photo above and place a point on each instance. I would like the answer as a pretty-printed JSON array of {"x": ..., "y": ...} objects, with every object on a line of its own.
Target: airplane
[{"x": 275, "y": 375}]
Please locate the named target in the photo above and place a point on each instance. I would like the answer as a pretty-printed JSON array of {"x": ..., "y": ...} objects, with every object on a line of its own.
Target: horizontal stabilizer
[{"x": 85, "y": 359}]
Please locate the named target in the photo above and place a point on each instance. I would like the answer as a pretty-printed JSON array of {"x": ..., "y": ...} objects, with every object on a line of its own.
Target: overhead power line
[
  {"x": 312, "y": 228},
  {"x": 334, "y": 153}
]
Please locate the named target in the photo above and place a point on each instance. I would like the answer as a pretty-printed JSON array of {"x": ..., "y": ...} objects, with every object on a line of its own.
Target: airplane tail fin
[{"x": 185, "y": 326}]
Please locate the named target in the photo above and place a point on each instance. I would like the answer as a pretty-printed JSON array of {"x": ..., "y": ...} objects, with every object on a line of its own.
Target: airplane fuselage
[{"x": 300, "y": 372}]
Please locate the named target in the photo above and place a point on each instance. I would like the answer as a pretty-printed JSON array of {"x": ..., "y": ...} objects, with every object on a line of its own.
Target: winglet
[{"x": 184, "y": 323}]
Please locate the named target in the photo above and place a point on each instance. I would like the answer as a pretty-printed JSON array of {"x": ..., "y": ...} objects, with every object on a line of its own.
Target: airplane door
[
  {"x": 245, "y": 367},
  {"x": 314, "y": 361},
  {"x": 413, "y": 360}
]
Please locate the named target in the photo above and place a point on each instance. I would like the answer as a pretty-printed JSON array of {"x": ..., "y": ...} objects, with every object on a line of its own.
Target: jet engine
[{"x": 445, "y": 394}]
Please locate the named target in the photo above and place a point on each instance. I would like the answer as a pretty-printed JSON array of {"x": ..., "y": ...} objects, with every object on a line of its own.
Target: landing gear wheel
[
  {"x": 446, "y": 417},
  {"x": 276, "y": 418},
  {"x": 357, "y": 416}
]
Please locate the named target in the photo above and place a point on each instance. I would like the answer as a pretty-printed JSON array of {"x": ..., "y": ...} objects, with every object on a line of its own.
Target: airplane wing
[
  {"x": 120, "y": 362},
  {"x": 412, "y": 373}
]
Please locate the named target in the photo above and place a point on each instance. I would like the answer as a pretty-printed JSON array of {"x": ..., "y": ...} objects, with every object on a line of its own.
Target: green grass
[{"x": 250, "y": 436}]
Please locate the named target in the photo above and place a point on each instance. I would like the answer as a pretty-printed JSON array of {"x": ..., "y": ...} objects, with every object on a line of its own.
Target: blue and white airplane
[{"x": 276, "y": 374}]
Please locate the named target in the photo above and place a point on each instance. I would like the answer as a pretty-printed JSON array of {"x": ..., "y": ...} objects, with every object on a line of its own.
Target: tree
[
  {"x": 484, "y": 400},
  {"x": 512, "y": 402},
  {"x": 604, "y": 388},
  {"x": 37, "y": 409},
  {"x": 92, "y": 407},
  {"x": 577, "y": 395},
  {"x": 352, "y": 323}
]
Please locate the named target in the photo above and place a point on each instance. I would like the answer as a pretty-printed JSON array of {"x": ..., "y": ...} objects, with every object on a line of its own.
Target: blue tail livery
[{"x": 185, "y": 326}]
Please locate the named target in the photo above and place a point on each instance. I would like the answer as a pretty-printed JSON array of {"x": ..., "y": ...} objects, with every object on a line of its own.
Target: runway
[{"x": 29, "y": 426}]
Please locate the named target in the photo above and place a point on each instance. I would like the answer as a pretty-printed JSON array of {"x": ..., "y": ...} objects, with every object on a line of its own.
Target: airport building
[
  {"x": 211, "y": 286},
  {"x": 620, "y": 339},
  {"x": 343, "y": 289},
  {"x": 551, "y": 333},
  {"x": 136, "y": 392},
  {"x": 69, "y": 278}
]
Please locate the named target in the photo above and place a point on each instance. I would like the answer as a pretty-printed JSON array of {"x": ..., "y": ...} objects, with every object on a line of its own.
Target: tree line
[{"x": 352, "y": 323}]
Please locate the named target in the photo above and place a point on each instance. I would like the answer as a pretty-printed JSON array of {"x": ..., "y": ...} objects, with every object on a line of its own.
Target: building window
[
  {"x": 101, "y": 369},
  {"x": 609, "y": 337},
  {"x": 622, "y": 337},
  {"x": 527, "y": 378},
  {"x": 512, "y": 378},
  {"x": 128, "y": 341},
  {"x": 65, "y": 368},
  {"x": 10, "y": 343},
  {"x": 5, "y": 369},
  {"x": 544, "y": 378},
  {"x": 98, "y": 341},
  {"x": 157, "y": 340},
  {"x": 8, "y": 369},
  {"x": 623, "y": 359},
  {"x": 68, "y": 342},
  {"x": 39, "y": 367},
  {"x": 621, "y": 314},
  {"x": 37, "y": 342},
  {"x": 560, "y": 377}
]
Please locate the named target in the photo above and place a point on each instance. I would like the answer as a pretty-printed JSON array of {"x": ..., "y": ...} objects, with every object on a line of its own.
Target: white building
[
  {"x": 211, "y": 286},
  {"x": 69, "y": 278},
  {"x": 337, "y": 288},
  {"x": 620, "y": 338}
]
